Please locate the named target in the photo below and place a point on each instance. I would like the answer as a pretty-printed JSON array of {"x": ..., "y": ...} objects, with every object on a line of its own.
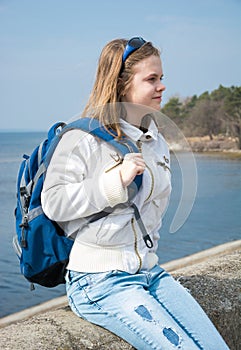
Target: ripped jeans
[{"x": 149, "y": 309}]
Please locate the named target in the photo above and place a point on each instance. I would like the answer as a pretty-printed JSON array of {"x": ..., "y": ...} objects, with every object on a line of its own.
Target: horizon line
[{"x": 20, "y": 130}]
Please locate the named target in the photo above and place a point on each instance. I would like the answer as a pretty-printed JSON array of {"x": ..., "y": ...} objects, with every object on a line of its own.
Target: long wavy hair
[{"x": 113, "y": 79}]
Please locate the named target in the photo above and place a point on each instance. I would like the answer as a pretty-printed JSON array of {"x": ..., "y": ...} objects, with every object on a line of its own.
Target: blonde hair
[{"x": 113, "y": 78}]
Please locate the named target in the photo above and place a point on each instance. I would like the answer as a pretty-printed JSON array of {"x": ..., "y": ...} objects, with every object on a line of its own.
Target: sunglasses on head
[{"x": 132, "y": 45}]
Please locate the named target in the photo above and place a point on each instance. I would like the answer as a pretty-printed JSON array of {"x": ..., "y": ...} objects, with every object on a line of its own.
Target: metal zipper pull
[
  {"x": 162, "y": 164},
  {"x": 139, "y": 145},
  {"x": 118, "y": 159}
]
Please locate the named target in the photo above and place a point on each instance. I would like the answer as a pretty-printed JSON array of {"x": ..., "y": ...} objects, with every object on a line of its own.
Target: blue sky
[{"x": 50, "y": 48}]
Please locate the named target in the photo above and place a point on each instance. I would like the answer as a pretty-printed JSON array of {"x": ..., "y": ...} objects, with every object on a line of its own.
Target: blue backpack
[{"x": 41, "y": 245}]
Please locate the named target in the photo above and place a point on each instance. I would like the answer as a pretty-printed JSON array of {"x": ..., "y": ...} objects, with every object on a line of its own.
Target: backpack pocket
[{"x": 44, "y": 257}]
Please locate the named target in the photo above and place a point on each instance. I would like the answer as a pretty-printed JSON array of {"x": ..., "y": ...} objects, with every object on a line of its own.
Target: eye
[{"x": 152, "y": 78}]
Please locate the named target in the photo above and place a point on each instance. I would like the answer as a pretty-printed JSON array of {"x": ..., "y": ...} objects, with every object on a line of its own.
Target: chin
[{"x": 157, "y": 108}]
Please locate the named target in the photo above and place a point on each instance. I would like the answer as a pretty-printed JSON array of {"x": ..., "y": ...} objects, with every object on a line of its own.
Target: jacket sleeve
[{"x": 76, "y": 184}]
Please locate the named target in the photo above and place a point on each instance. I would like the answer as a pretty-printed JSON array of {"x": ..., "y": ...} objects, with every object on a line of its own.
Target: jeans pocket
[
  {"x": 99, "y": 277},
  {"x": 73, "y": 276},
  {"x": 89, "y": 287},
  {"x": 75, "y": 281},
  {"x": 99, "y": 285}
]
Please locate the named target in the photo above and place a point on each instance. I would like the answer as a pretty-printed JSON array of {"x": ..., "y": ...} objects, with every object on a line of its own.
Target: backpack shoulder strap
[{"x": 93, "y": 126}]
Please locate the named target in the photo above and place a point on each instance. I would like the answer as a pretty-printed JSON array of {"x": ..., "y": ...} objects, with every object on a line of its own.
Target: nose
[{"x": 161, "y": 87}]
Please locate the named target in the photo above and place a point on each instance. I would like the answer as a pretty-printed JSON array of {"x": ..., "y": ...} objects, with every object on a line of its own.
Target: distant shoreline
[
  {"x": 217, "y": 143},
  {"x": 227, "y": 154},
  {"x": 220, "y": 145}
]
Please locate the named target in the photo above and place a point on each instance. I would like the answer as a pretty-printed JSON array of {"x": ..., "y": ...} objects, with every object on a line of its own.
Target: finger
[
  {"x": 139, "y": 162},
  {"x": 135, "y": 158},
  {"x": 140, "y": 171},
  {"x": 129, "y": 156}
]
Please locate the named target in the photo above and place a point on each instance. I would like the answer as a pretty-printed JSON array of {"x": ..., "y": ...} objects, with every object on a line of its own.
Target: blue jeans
[{"x": 150, "y": 309}]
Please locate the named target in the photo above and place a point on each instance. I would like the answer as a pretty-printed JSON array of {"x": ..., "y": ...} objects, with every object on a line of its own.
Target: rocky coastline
[{"x": 219, "y": 145}]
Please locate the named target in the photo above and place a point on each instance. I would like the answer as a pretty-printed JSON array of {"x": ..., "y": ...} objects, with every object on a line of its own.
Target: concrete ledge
[
  {"x": 212, "y": 276},
  {"x": 215, "y": 283}
]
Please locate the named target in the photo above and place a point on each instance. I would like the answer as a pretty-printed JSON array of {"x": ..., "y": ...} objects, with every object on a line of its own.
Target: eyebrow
[{"x": 155, "y": 75}]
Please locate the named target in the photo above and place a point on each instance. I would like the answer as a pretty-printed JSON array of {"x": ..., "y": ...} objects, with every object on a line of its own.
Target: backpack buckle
[
  {"x": 23, "y": 191},
  {"x": 23, "y": 225}
]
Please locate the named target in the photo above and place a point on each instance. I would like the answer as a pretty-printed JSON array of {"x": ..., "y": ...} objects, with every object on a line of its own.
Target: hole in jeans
[
  {"x": 172, "y": 336},
  {"x": 169, "y": 333},
  {"x": 142, "y": 311}
]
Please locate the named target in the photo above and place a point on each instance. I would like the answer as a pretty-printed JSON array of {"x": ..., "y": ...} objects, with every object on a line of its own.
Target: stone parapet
[{"x": 212, "y": 277}]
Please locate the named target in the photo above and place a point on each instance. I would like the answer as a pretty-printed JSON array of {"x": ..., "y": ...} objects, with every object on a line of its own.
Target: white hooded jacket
[{"x": 83, "y": 178}]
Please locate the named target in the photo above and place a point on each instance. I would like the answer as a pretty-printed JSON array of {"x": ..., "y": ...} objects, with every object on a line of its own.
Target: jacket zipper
[
  {"x": 135, "y": 244},
  {"x": 139, "y": 145},
  {"x": 152, "y": 183}
]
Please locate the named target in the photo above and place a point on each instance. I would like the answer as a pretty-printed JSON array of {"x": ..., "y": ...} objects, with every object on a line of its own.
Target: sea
[{"x": 214, "y": 216}]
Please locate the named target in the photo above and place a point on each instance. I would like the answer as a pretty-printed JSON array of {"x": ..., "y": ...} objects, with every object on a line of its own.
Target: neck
[{"x": 135, "y": 114}]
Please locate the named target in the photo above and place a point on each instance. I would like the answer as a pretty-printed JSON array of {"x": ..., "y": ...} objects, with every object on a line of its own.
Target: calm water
[{"x": 214, "y": 219}]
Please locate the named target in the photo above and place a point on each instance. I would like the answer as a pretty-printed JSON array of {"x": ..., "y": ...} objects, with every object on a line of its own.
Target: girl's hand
[{"x": 133, "y": 164}]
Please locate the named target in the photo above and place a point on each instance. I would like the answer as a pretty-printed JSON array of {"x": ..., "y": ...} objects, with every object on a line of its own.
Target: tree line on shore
[{"x": 211, "y": 113}]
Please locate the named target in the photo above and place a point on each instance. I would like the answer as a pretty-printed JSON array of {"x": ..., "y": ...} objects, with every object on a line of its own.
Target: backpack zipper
[{"x": 135, "y": 244}]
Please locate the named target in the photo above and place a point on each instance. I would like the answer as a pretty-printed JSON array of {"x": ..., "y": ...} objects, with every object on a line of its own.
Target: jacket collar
[{"x": 134, "y": 133}]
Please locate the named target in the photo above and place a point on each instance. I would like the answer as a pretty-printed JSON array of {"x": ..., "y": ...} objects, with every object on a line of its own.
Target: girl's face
[{"x": 146, "y": 86}]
